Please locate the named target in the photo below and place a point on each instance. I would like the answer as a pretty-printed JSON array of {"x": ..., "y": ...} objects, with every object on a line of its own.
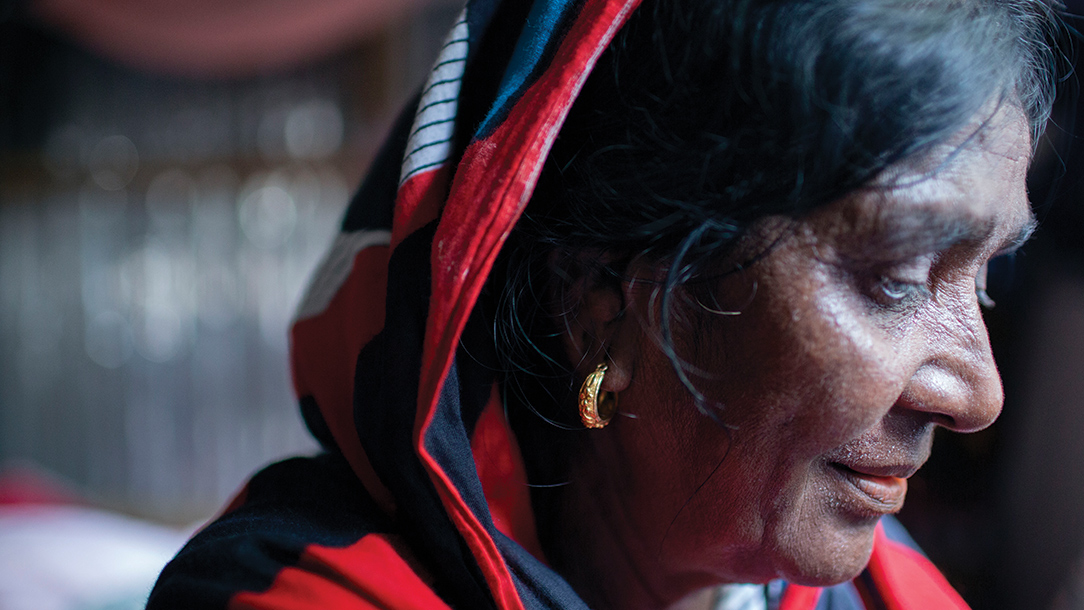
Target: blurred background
[{"x": 170, "y": 173}]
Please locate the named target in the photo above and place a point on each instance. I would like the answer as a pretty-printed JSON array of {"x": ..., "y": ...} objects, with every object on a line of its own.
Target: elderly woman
[{"x": 651, "y": 307}]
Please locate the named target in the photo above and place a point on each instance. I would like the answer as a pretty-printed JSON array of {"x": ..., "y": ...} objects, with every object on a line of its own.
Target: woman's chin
[
  {"x": 828, "y": 576},
  {"x": 828, "y": 557}
]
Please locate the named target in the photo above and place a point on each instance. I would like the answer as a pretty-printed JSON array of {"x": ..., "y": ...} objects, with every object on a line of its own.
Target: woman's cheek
[{"x": 856, "y": 376}]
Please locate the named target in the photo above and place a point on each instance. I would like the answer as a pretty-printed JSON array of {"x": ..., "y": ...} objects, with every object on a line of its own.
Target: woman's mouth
[{"x": 879, "y": 489}]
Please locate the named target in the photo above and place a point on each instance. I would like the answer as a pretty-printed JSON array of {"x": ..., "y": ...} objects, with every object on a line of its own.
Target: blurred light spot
[
  {"x": 108, "y": 340},
  {"x": 169, "y": 199},
  {"x": 113, "y": 162},
  {"x": 103, "y": 229},
  {"x": 306, "y": 189},
  {"x": 162, "y": 303},
  {"x": 268, "y": 216},
  {"x": 313, "y": 130},
  {"x": 160, "y": 337}
]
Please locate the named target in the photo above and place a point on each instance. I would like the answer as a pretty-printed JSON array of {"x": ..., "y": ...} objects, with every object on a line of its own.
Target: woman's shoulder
[{"x": 303, "y": 533}]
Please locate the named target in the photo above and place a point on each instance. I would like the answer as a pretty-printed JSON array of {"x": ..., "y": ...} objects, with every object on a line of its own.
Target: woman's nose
[{"x": 957, "y": 382}]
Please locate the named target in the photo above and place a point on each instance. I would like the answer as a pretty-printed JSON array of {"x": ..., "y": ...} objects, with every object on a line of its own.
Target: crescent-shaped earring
[{"x": 597, "y": 407}]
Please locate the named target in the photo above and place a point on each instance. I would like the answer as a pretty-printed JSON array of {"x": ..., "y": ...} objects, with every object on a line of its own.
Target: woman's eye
[
  {"x": 902, "y": 284},
  {"x": 896, "y": 292}
]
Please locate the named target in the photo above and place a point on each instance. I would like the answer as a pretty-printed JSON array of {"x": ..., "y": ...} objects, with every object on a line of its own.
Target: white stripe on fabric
[
  {"x": 335, "y": 268},
  {"x": 430, "y": 141},
  {"x": 742, "y": 597}
]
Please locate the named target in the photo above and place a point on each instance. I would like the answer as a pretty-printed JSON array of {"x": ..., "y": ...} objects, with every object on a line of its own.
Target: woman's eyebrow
[{"x": 929, "y": 229}]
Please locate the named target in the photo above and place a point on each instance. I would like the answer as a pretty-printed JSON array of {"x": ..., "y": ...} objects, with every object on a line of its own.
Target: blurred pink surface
[{"x": 219, "y": 37}]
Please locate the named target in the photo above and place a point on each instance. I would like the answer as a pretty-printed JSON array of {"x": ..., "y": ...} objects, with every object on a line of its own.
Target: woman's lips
[{"x": 884, "y": 492}]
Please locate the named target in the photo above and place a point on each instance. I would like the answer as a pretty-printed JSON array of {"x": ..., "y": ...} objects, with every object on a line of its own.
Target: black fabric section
[
  {"x": 464, "y": 396},
  {"x": 486, "y": 63},
  {"x": 314, "y": 421},
  {"x": 385, "y": 403},
  {"x": 870, "y": 594},
  {"x": 479, "y": 15},
  {"x": 289, "y": 505},
  {"x": 547, "y": 449},
  {"x": 371, "y": 206},
  {"x": 538, "y": 585},
  {"x": 447, "y": 441},
  {"x": 476, "y": 362}
]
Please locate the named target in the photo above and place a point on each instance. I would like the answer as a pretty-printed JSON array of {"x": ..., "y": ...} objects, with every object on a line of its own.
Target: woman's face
[{"x": 859, "y": 333}]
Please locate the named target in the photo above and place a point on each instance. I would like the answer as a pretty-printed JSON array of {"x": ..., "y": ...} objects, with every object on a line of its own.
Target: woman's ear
[
  {"x": 596, "y": 323},
  {"x": 589, "y": 303}
]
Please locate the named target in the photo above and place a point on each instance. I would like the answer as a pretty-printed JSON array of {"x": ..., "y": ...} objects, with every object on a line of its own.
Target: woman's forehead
[
  {"x": 974, "y": 191},
  {"x": 996, "y": 132}
]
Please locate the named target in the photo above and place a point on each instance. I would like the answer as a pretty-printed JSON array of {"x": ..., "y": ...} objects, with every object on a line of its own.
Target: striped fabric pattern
[{"x": 430, "y": 142}]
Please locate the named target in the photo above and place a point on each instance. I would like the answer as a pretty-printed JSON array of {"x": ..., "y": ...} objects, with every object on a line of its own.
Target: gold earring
[{"x": 597, "y": 408}]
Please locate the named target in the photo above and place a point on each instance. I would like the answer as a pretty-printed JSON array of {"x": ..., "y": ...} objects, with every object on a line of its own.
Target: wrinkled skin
[{"x": 859, "y": 333}]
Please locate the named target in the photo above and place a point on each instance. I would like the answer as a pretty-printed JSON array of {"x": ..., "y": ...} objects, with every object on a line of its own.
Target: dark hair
[{"x": 706, "y": 115}]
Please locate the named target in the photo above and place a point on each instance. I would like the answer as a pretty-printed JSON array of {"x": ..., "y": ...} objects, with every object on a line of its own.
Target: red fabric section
[
  {"x": 488, "y": 195},
  {"x": 219, "y": 37},
  {"x": 418, "y": 203},
  {"x": 325, "y": 349},
  {"x": 797, "y": 597},
  {"x": 373, "y": 573},
  {"x": 504, "y": 478},
  {"x": 908, "y": 581}
]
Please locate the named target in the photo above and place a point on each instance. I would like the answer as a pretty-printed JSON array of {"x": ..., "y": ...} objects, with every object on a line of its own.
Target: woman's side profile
[{"x": 652, "y": 306}]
